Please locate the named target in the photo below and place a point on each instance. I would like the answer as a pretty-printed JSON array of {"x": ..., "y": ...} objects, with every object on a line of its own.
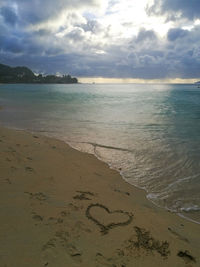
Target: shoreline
[
  {"x": 67, "y": 198},
  {"x": 69, "y": 143},
  {"x": 124, "y": 179}
]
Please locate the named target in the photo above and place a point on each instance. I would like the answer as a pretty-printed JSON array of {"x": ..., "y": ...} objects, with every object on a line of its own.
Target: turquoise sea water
[{"x": 151, "y": 132}]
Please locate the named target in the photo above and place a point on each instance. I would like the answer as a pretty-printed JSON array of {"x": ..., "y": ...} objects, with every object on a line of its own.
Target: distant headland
[{"x": 25, "y": 75}]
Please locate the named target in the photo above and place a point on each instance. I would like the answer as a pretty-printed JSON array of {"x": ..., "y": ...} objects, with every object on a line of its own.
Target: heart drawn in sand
[{"x": 105, "y": 228}]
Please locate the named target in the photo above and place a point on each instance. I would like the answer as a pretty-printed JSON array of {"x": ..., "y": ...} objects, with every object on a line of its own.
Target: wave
[
  {"x": 178, "y": 182},
  {"x": 190, "y": 209}
]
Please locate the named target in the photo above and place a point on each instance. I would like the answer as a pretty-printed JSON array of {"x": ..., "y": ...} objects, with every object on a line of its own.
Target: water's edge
[{"x": 45, "y": 134}]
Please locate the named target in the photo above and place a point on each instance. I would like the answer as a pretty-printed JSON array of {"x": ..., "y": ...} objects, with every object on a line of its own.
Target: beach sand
[{"x": 61, "y": 207}]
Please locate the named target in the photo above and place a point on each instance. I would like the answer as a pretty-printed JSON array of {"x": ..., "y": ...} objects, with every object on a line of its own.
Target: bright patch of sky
[
  {"x": 127, "y": 17},
  {"x": 135, "y": 39}
]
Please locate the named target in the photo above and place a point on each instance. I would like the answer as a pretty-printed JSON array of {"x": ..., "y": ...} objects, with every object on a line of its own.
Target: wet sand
[{"x": 61, "y": 207}]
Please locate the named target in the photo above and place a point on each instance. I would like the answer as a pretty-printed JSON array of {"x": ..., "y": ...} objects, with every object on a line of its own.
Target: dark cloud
[
  {"x": 180, "y": 57},
  {"x": 35, "y": 11},
  {"x": 8, "y": 15},
  {"x": 10, "y": 44},
  {"x": 43, "y": 32},
  {"x": 145, "y": 35},
  {"x": 84, "y": 46},
  {"x": 92, "y": 26},
  {"x": 175, "y": 9},
  {"x": 145, "y": 65},
  {"x": 175, "y": 33},
  {"x": 75, "y": 35}
]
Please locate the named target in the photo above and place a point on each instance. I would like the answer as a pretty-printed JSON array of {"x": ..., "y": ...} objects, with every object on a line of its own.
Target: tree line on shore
[{"x": 25, "y": 75}]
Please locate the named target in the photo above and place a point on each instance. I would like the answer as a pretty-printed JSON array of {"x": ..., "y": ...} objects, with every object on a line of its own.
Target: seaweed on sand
[
  {"x": 148, "y": 243},
  {"x": 186, "y": 256}
]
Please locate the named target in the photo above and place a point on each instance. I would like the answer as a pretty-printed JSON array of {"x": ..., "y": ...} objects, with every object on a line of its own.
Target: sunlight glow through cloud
[
  {"x": 125, "y": 18},
  {"x": 127, "y": 39}
]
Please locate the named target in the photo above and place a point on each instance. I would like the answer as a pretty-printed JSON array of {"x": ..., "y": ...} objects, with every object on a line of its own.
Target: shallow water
[{"x": 151, "y": 131}]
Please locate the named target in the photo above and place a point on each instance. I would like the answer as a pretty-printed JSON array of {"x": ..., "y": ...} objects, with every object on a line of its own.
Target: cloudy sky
[{"x": 127, "y": 39}]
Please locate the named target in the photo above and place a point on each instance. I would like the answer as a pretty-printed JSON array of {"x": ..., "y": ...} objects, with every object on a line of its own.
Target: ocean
[{"x": 150, "y": 132}]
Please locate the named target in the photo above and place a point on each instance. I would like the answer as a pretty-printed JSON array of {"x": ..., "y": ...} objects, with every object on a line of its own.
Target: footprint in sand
[
  {"x": 64, "y": 213},
  {"x": 103, "y": 261},
  {"x": 122, "y": 192},
  {"x": 37, "y": 196},
  {"x": 80, "y": 226},
  {"x": 8, "y": 181},
  {"x": 62, "y": 239},
  {"x": 37, "y": 217},
  {"x": 50, "y": 244},
  {"x": 63, "y": 236},
  {"x": 83, "y": 195},
  {"x": 53, "y": 221},
  {"x": 73, "y": 207},
  {"x": 29, "y": 169}
]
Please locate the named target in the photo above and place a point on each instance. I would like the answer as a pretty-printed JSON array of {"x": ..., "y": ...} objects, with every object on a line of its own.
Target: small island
[{"x": 25, "y": 75}]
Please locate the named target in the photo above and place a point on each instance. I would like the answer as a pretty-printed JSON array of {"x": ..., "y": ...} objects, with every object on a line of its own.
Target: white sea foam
[{"x": 190, "y": 208}]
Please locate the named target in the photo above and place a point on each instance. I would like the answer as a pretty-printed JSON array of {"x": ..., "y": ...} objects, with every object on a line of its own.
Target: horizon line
[{"x": 136, "y": 80}]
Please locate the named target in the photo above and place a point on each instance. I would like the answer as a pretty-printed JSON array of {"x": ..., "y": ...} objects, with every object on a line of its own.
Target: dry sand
[{"x": 60, "y": 207}]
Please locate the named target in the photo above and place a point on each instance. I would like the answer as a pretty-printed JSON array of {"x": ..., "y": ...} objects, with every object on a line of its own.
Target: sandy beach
[{"x": 61, "y": 207}]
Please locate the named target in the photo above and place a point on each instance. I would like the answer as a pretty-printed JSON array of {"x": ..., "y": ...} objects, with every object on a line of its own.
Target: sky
[{"x": 103, "y": 40}]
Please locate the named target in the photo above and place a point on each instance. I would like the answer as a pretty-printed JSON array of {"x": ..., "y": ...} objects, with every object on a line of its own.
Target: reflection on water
[{"x": 150, "y": 131}]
